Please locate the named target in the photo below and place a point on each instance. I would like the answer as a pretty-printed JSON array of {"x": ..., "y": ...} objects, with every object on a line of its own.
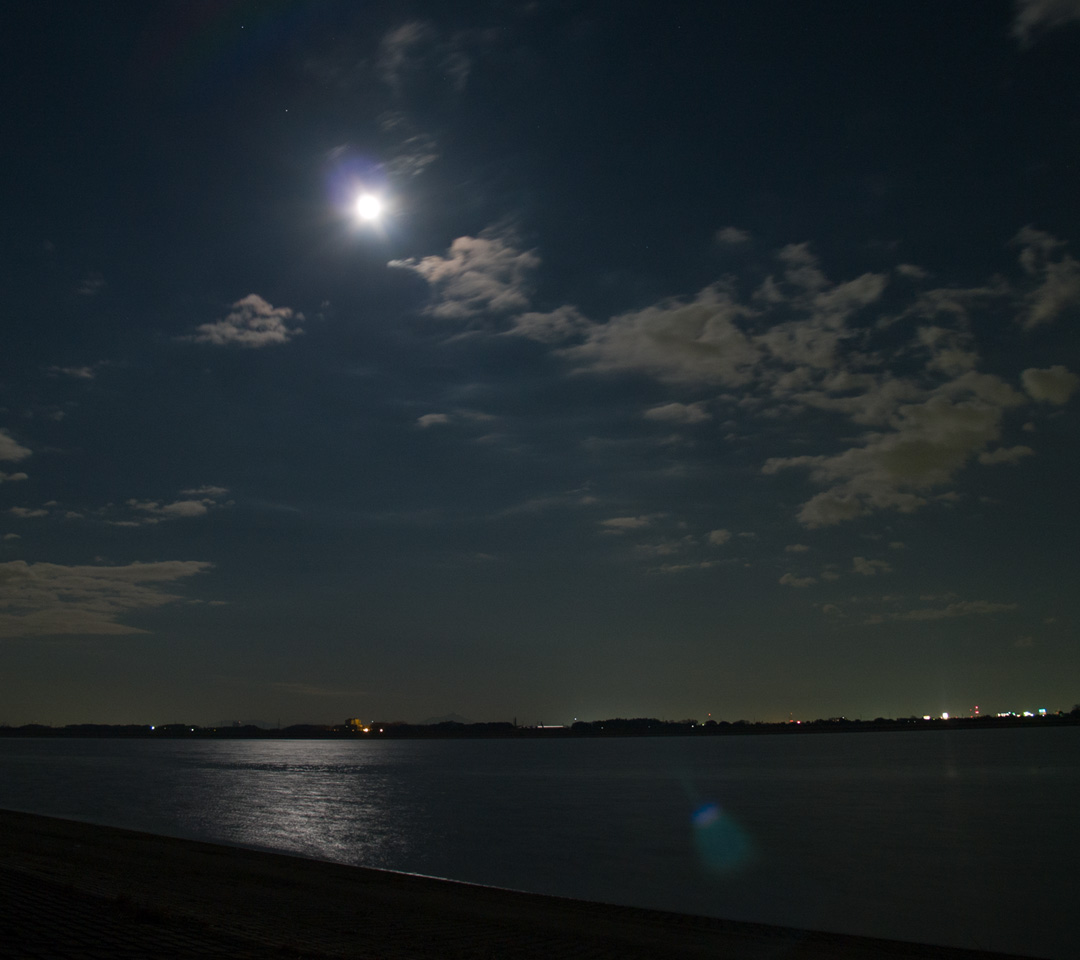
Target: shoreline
[
  {"x": 644, "y": 728},
  {"x": 75, "y": 890}
]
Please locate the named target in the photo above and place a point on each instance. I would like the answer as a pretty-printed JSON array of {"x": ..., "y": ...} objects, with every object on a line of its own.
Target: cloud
[
  {"x": 48, "y": 599},
  {"x": 962, "y": 608},
  {"x": 91, "y": 284},
  {"x": 732, "y": 237},
  {"x": 11, "y": 449},
  {"x": 719, "y": 537},
  {"x": 790, "y": 580},
  {"x": 413, "y": 150},
  {"x": 179, "y": 508},
  {"x": 76, "y": 373},
  {"x": 27, "y": 513},
  {"x": 1011, "y": 455},
  {"x": 207, "y": 491},
  {"x": 674, "y": 568},
  {"x": 796, "y": 548},
  {"x": 928, "y": 443},
  {"x": 200, "y": 501},
  {"x": 432, "y": 420},
  {"x": 415, "y": 54},
  {"x": 479, "y": 276},
  {"x": 11, "y": 477},
  {"x": 678, "y": 413},
  {"x": 253, "y": 323},
  {"x": 1058, "y": 275},
  {"x": 679, "y": 341},
  {"x": 563, "y": 323},
  {"x": 1053, "y": 385},
  {"x": 622, "y": 524},
  {"x": 869, "y": 568},
  {"x": 1035, "y": 17}
]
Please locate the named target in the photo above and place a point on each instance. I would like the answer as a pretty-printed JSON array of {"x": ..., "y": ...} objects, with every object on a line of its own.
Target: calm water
[{"x": 966, "y": 838}]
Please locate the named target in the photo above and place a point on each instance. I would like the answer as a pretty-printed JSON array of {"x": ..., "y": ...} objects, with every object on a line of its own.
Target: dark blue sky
[{"x": 705, "y": 359}]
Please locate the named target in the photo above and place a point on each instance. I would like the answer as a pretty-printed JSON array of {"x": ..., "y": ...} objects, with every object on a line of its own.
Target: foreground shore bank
[{"x": 75, "y": 890}]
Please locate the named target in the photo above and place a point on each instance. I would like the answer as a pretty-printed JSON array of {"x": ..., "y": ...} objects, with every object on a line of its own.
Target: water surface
[{"x": 966, "y": 838}]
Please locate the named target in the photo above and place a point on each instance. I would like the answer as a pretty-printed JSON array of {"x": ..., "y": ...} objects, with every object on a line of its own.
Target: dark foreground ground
[{"x": 70, "y": 891}]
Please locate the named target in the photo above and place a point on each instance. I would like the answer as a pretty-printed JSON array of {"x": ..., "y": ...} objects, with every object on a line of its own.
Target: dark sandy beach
[{"x": 72, "y": 890}]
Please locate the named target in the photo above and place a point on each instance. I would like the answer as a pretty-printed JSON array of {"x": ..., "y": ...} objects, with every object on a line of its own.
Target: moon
[{"x": 368, "y": 207}]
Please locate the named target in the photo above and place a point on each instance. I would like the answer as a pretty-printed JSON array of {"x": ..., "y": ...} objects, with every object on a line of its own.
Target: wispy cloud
[
  {"x": 91, "y": 284},
  {"x": 962, "y": 608},
  {"x": 1035, "y": 17},
  {"x": 678, "y": 413},
  {"x": 416, "y": 54}
]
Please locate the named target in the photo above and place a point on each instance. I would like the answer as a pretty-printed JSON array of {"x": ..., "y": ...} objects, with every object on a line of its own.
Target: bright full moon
[{"x": 368, "y": 206}]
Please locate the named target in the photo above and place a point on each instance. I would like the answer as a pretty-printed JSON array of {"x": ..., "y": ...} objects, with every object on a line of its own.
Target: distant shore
[
  {"x": 74, "y": 890},
  {"x": 615, "y": 727}
]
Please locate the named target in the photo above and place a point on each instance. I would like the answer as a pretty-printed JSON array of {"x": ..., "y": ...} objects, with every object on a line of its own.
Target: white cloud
[
  {"x": 563, "y": 323},
  {"x": 76, "y": 373},
  {"x": 869, "y": 568},
  {"x": 179, "y": 508},
  {"x": 11, "y": 449},
  {"x": 432, "y": 420},
  {"x": 719, "y": 537},
  {"x": 674, "y": 568},
  {"x": 1057, "y": 272},
  {"x": 207, "y": 491},
  {"x": 27, "y": 513},
  {"x": 11, "y": 477},
  {"x": 796, "y": 548},
  {"x": 1034, "y": 17},
  {"x": 732, "y": 237},
  {"x": 478, "y": 276},
  {"x": 252, "y": 323},
  {"x": 47, "y": 599},
  {"x": 928, "y": 444},
  {"x": 790, "y": 580},
  {"x": 199, "y": 502},
  {"x": 962, "y": 608},
  {"x": 1053, "y": 385},
  {"x": 678, "y": 341},
  {"x": 678, "y": 413},
  {"x": 1011, "y": 455},
  {"x": 91, "y": 284},
  {"x": 622, "y": 524}
]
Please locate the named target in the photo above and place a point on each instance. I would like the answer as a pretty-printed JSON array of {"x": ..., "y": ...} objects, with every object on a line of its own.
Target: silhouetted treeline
[{"x": 614, "y": 727}]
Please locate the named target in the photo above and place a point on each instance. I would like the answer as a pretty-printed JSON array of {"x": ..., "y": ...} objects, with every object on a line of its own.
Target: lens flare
[{"x": 722, "y": 846}]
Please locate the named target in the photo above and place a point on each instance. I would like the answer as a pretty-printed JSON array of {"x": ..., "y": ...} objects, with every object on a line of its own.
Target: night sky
[{"x": 703, "y": 358}]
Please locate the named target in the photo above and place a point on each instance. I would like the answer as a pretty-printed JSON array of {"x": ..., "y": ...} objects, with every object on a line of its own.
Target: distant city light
[{"x": 944, "y": 716}]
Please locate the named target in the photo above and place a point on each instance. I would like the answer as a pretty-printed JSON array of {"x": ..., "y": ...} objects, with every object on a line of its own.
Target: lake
[{"x": 965, "y": 838}]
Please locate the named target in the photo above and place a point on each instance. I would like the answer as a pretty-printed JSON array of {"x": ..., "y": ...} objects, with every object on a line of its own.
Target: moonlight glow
[{"x": 368, "y": 207}]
